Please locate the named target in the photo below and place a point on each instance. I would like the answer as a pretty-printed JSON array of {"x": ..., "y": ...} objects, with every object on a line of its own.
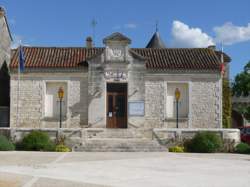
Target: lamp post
[
  {"x": 60, "y": 96},
  {"x": 177, "y": 97}
]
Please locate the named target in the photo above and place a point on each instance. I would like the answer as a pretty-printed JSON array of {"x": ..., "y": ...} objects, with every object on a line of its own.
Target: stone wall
[
  {"x": 204, "y": 100},
  {"x": 170, "y": 137},
  {"x": 97, "y": 90},
  {"x": 32, "y": 99},
  {"x": 205, "y": 104},
  {"x": 154, "y": 103},
  {"x": 5, "y": 42},
  {"x": 101, "y": 139}
]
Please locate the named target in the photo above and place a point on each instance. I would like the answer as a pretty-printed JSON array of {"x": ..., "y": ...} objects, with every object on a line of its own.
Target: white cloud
[
  {"x": 230, "y": 33},
  {"x": 130, "y": 25},
  {"x": 185, "y": 36},
  {"x": 116, "y": 27},
  {"x": 125, "y": 26}
]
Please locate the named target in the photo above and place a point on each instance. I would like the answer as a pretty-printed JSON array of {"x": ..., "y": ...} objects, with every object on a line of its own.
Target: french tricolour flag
[{"x": 21, "y": 59}]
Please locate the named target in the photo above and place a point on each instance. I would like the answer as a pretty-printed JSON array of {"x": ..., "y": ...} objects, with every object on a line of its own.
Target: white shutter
[
  {"x": 170, "y": 106},
  {"x": 49, "y": 105}
]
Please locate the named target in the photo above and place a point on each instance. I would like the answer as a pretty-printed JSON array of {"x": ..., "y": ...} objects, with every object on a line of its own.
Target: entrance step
[
  {"x": 120, "y": 145},
  {"x": 117, "y": 133}
]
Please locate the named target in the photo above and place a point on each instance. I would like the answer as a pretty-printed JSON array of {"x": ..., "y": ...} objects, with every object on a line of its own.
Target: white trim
[
  {"x": 189, "y": 115},
  {"x": 189, "y": 104},
  {"x": 67, "y": 82},
  {"x": 165, "y": 99}
]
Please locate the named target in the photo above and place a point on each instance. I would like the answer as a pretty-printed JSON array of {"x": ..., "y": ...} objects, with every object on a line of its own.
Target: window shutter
[
  {"x": 49, "y": 105},
  {"x": 170, "y": 106}
]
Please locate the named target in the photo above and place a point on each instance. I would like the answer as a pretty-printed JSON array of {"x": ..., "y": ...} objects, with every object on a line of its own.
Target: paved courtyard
[{"x": 123, "y": 169}]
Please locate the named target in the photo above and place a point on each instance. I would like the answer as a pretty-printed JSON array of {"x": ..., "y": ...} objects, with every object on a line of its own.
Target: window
[
  {"x": 248, "y": 131},
  {"x": 171, "y": 101},
  {"x": 52, "y": 104}
]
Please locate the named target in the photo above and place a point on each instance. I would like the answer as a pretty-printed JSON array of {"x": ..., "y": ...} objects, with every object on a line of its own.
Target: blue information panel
[{"x": 136, "y": 108}]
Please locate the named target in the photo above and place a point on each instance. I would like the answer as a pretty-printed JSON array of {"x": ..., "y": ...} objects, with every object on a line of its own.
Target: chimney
[
  {"x": 2, "y": 12},
  {"x": 213, "y": 47},
  {"x": 89, "y": 42}
]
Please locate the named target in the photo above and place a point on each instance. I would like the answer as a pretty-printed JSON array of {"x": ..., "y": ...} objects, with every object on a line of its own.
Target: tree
[
  {"x": 241, "y": 87},
  {"x": 226, "y": 104}
]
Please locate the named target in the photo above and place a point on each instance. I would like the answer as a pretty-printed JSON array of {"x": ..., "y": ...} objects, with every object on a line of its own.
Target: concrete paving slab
[
  {"x": 26, "y": 158},
  {"x": 133, "y": 169},
  {"x": 42, "y": 182},
  {"x": 13, "y": 179}
]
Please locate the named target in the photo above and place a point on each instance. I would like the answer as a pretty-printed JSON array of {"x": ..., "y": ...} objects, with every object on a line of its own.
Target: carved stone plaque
[
  {"x": 116, "y": 53},
  {"x": 116, "y": 75}
]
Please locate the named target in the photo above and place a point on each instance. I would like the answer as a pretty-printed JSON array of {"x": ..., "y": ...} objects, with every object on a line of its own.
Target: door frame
[{"x": 126, "y": 107}]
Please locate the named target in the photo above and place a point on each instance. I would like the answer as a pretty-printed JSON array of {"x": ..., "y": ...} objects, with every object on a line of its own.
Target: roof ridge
[
  {"x": 172, "y": 48},
  {"x": 59, "y": 47}
]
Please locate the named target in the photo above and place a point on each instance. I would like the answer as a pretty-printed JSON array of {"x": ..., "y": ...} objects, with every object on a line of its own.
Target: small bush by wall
[
  {"x": 176, "y": 149},
  {"x": 37, "y": 141},
  {"x": 5, "y": 144},
  {"x": 62, "y": 148},
  {"x": 204, "y": 142},
  {"x": 242, "y": 148}
]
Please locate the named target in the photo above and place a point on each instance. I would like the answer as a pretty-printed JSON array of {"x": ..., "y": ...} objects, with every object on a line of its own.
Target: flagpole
[
  {"x": 222, "y": 58},
  {"x": 18, "y": 87},
  {"x": 221, "y": 87}
]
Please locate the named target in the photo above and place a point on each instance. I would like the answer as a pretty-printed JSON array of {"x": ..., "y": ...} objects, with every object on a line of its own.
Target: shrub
[
  {"x": 242, "y": 148},
  {"x": 62, "y": 148},
  {"x": 176, "y": 149},
  {"x": 37, "y": 141},
  {"x": 5, "y": 144},
  {"x": 204, "y": 142}
]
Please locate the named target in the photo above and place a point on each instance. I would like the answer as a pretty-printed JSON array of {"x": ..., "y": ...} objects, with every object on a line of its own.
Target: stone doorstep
[
  {"x": 114, "y": 133},
  {"x": 120, "y": 145}
]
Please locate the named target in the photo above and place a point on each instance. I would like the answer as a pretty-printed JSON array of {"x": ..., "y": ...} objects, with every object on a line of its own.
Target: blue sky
[{"x": 182, "y": 23}]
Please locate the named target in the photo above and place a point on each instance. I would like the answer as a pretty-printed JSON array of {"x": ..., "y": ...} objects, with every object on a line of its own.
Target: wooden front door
[{"x": 116, "y": 105}]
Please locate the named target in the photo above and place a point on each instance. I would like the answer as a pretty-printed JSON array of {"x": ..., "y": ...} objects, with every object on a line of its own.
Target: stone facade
[
  {"x": 86, "y": 103},
  {"x": 5, "y": 41},
  {"x": 134, "y": 77},
  {"x": 32, "y": 99},
  {"x": 204, "y": 100}
]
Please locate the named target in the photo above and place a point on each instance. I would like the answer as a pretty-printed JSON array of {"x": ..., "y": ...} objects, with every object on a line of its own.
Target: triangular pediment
[{"x": 116, "y": 37}]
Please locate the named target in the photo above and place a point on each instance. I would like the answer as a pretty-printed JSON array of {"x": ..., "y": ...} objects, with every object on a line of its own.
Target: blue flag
[{"x": 21, "y": 59}]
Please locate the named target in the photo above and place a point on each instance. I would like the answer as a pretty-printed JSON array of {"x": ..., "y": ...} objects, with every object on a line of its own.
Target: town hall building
[
  {"x": 117, "y": 86},
  {"x": 118, "y": 90}
]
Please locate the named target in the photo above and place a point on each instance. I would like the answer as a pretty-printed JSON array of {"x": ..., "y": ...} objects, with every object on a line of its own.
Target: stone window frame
[
  {"x": 189, "y": 116},
  {"x": 64, "y": 118}
]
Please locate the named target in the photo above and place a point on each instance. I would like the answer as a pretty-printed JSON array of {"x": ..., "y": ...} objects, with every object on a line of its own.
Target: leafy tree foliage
[
  {"x": 227, "y": 104},
  {"x": 241, "y": 87}
]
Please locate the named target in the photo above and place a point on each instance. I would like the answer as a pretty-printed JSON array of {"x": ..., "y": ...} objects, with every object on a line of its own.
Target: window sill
[
  {"x": 54, "y": 119},
  {"x": 181, "y": 119}
]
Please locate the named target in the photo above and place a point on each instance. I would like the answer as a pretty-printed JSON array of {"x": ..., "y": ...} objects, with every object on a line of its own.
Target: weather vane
[
  {"x": 93, "y": 25},
  {"x": 156, "y": 25}
]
